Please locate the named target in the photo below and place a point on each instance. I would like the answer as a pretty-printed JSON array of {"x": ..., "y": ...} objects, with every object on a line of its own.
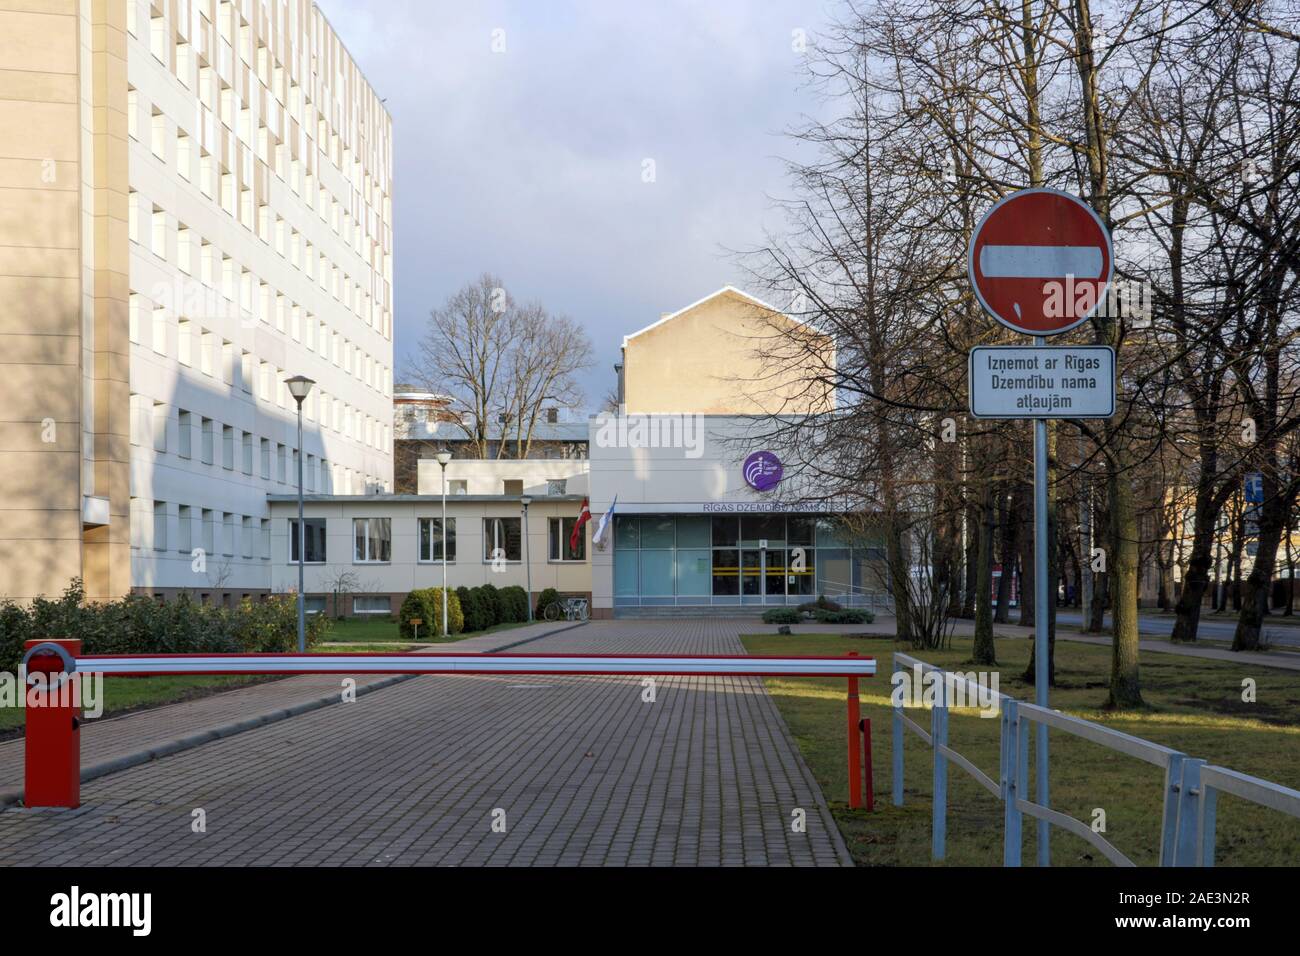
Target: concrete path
[{"x": 577, "y": 770}]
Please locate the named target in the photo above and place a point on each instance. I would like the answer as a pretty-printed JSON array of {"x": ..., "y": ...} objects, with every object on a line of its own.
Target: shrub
[
  {"x": 821, "y": 604},
  {"x": 548, "y": 597},
  {"x": 455, "y": 615},
  {"x": 471, "y": 609},
  {"x": 416, "y": 605},
  {"x": 141, "y": 625},
  {"x": 514, "y": 600},
  {"x": 426, "y": 604},
  {"x": 844, "y": 617},
  {"x": 781, "y": 615},
  {"x": 493, "y": 598}
]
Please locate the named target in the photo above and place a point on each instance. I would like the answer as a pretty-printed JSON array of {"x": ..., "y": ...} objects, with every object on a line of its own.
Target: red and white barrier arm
[
  {"x": 53, "y": 745},
  {"x": 146, "y": 665}
]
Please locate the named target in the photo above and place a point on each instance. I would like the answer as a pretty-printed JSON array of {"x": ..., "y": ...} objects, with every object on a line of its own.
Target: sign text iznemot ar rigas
[{"x": 1069, "y": 381}]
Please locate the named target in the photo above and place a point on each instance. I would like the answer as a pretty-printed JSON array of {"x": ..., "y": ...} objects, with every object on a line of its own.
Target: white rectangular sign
[{"x": 1042, "y": 381}]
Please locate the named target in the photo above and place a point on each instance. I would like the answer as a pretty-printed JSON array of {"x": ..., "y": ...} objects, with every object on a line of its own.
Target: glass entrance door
[
  {"x": 751, "y": 576},
  {"x": 774, "y": 573}
]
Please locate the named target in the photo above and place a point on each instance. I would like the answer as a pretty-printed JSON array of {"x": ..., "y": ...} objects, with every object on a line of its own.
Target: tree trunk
[
  {"x": 1025, "y": 538},
  {"x": 1290, "y": 570},
  {"x": 1122, "y": 575},
  {"x": 1255, "y": 597},
  {"x": 983, "y": 651},
  {"x": 1100, "y": 599},
  {"x": 1187, "y": 612},
  {"x": 1007, "y": 556}
]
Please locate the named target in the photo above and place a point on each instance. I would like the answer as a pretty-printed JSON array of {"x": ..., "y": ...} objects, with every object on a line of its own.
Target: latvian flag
[{"x": 583, "y": 517}]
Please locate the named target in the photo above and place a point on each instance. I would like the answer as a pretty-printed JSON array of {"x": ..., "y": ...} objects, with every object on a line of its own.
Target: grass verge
[
  {"x": 1193, "y": 705},
  {"x": 122, "y": 695}
]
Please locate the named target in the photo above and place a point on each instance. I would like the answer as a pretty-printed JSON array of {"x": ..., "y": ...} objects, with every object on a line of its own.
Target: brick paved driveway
[{"x": 582, "y": 769}]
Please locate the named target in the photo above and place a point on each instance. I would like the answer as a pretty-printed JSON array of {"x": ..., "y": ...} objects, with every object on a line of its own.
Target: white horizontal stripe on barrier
[{"x": 477, "y": 664}]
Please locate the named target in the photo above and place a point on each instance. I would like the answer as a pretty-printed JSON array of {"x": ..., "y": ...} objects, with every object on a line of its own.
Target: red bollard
[
  {"x": 855, "y": 765},
  {"x": 52, "y": 749},
  {"x": 866, "y": 754}
]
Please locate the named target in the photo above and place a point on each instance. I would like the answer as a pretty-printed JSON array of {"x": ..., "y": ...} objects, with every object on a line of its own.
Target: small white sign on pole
[{"x": 1042, "y": 381}]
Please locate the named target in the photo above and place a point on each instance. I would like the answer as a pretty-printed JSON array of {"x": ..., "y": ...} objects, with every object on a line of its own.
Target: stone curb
[{"x": 9, "y": 798}]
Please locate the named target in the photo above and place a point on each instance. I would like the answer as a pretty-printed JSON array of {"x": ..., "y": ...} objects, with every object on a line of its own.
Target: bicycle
[{"x": 569, "y": 609}]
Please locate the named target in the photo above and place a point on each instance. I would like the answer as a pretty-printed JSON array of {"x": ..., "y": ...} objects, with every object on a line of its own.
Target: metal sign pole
[
  {"x": 1049, "y": 237},
  {"x": 1042, "y": 607}
]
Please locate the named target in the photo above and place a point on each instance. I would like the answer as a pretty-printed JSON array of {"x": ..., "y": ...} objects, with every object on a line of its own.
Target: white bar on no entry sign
[
  {"x": 1040, "y": 262},
  {"x": 1048, "y": 381}
]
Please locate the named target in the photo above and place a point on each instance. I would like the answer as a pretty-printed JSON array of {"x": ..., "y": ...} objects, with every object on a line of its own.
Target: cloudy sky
[{"x": 528, "y": 163}]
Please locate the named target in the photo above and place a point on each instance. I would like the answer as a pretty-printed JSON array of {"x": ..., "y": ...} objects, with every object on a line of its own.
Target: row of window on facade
[
  {"x": 217, "y": 183},
  {"x": 365, "y": 126},
  {"x": 221, "y": 287},
  {"x": 219, "y": 532},
  {"x": 240, "y": 450},
  {"x": 372, "y": 541}
]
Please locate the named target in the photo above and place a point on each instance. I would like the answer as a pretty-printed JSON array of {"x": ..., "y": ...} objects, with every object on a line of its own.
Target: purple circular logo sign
[{"x": 763, "y": 471}]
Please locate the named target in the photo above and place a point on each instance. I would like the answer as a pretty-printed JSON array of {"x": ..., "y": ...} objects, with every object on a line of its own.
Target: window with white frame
[
  {"x": 314, "y": 532},
  {"x": 372, "y": 540},
  {"x": 502, "y": 539},
  {"x": 431, "y": 539},
  {"x": 559, "y": 536},
  {"x": 372, "y": 604}
]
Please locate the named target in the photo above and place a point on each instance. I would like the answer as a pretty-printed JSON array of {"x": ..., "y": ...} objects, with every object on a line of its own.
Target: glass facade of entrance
[{"x": 753, "y": 559}]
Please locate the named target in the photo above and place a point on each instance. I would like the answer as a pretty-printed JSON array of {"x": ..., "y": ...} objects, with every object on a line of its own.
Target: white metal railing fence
[{"x": 1189, "y": 796}]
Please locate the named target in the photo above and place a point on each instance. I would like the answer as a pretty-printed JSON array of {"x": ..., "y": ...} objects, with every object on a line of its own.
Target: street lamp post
[
  {"x": 299, "y": 387},
  {"x": 528, "y": 566},
  {"x": 443, "y": 457}
]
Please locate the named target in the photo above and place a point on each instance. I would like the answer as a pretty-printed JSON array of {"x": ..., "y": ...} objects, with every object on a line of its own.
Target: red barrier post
[
  {"x": 866, "y": 755},
  {"x": 855, "y": 766},
  {"x": 52, "y": 749}
]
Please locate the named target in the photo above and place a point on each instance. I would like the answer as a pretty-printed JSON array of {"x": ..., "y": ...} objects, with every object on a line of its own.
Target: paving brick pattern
[{"x": 584, "y": 772}]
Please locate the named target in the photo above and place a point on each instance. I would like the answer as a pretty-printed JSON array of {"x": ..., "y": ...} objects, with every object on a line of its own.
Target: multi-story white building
[
  {"x": 260, "y": 231},
  {"x": 195, "y": 204}
]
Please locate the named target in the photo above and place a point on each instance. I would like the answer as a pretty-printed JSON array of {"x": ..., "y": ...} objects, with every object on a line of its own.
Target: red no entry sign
[{"x": 1040, "y": 261}]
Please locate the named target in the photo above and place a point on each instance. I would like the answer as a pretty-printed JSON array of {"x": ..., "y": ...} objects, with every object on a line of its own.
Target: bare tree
[{"x": 503, "y": 364}]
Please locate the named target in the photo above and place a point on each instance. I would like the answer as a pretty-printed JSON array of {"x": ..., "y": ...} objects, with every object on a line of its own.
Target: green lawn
[
  {"x": 1193, "y": 705},
  {"x": 123, "y": 694},
  {"x": 353, "y": 630}
]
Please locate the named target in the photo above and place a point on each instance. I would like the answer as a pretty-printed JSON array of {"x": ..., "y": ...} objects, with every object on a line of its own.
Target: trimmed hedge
[
  {"x": 782, "y": 615},
  {"x": 426, "y": 604},
  {"x": 472, "y": 608},
  {"x": 514, "y": 603},
  {"x": 844, "y": 617},
  {"x": 137, "y": 624},
  {"x": 791, "y": 615},
  {"x": 493, "y": 598}
]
